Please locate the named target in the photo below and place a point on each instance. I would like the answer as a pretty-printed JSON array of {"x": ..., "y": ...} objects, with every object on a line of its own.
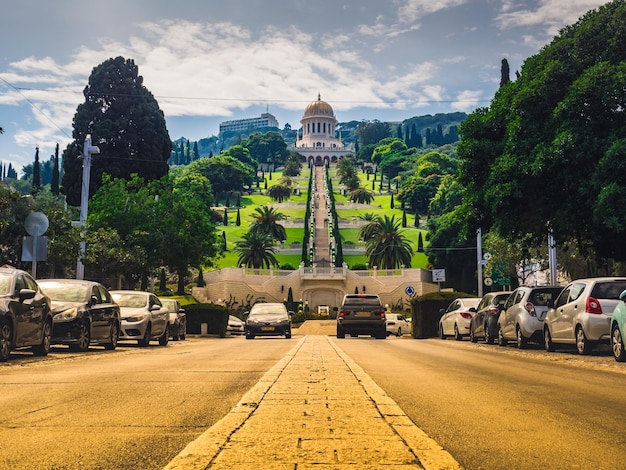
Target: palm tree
[
  {"x": 388, "y": 248},
  {"x": 367, "y": 231},
  {"x": 266, "y": 221},
  {"x": 256, "y": 250},
  {"x": 279, "y": 192},
  {"x": 361, "y": 196}
]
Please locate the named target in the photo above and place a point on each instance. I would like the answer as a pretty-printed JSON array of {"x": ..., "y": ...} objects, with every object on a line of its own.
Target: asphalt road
[
  {"x": 133, "y": 408},
  {"x": 502, "y": 408},
  {"x": 490, "y": 407}
]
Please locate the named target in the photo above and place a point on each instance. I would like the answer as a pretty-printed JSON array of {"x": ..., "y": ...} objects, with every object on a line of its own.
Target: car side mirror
[
  {"x": 622, "y": 296},
  {"x": 291, "y": 312},
  {"x": 93, "y": 300},
  {"x": 181, "y": 310},
  {"x": 155, "y": 308},
  {"x": 26, "y": 294},
  {"x": 472, "y": 309}
]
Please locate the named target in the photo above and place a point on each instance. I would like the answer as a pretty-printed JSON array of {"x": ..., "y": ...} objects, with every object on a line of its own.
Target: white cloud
[
  {"x": 467, "y": 100},
  {"x": 411, "y": 11}
]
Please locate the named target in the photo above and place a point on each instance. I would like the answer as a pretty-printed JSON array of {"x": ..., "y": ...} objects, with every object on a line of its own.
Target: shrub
[{"x": 215, "y": 316}]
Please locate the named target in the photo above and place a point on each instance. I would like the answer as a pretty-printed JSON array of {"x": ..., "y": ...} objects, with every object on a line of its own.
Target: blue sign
[{"x": 410, "y": 291}]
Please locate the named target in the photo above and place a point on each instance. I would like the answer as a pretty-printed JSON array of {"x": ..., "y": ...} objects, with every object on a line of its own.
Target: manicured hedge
[
  {"x": 215, "y": 316},
  {"x": 425, "y": 310}
]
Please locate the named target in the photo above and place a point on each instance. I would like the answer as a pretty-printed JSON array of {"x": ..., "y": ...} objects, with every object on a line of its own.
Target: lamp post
[{"x": 88, "y": 151}]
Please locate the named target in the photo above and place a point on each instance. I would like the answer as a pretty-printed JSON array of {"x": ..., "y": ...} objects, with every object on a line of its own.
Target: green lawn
[{"x": 380, "y": 206}]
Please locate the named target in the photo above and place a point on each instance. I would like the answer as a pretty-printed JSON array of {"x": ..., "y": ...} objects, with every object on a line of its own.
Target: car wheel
[
  {"x": 288, "y": 334},
  {"x": 84, "y": 338},
  {"x": 114, "y": 336},
  {"x": 488, "y": 336},
  {"x": 145, "y": 341},
  {"x": 617, "y": 344},
  {"x": 399, "y": 332},
  {"x": 176, "y": 333},
  {"x": 441, "y": 335},
  {"x": 472, "y": 335},
  {"x": 44, "y": 348},
  {"x": 6, "y": 333},
  {"x": 457, "y": 333},
  {"x": 249, "y": 335},
  {"x": 583, "y": 345},
  {"x": 548, "y": 344},
  {"x": 183, "y": 334},
  {"x": 501, "y": 339},
  {"x": 340, "y": 332},
  {"x": 381, "y": 333},
  {"x": 165, "y": 337},
  {"x": 522, "y": 342}
]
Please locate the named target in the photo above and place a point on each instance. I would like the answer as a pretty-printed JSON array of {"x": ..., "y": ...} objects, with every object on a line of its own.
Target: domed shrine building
[{"x": 317, "y": 139}]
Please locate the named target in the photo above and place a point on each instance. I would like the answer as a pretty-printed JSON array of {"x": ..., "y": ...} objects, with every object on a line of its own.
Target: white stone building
[{"x": 317, "y": 139}]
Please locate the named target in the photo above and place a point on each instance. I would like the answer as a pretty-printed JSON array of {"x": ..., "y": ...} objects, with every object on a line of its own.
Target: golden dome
[{"x": 319, "y": 108}]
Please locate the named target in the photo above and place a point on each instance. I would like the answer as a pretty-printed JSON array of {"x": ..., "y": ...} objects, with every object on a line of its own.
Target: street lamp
[{"x": 88, "y": 151}]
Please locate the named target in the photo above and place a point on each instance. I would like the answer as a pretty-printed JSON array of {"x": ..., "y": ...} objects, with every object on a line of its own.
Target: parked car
[
  {"x": 177, "y": 317},
  {"x": 618, "y": 330},
  {"x": 523, "y": 315},
  {"x": 143, "y": 317},
  {"x": 581, "y": 314},
  {"x": 236, "y": 326},
  {"x": 268, "y": 319},
  {"x": 484, "y": 323},
  {"x": 25, "y": 315},
  {"x": 361, "y": 314},
  {"x": 83, "y": 312},
  {"x": 455, "y": 320},
  {"x": 397, "y": 324}
]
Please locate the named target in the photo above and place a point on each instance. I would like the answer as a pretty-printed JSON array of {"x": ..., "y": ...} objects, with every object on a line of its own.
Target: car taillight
[
  {"x": 494, "y": 310},
  {"x": 382, "y": 314},
  {"x": 593, "y": 306},
  {"x": 343, "y": 313},
  {"x": 466, "y": 315},
  {"x": 530, "y": 308}
]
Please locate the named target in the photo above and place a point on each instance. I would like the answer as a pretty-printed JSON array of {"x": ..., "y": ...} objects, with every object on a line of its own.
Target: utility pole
[
  {"x": 88, "y": 151},
  {"x": 479, "y": 261}
]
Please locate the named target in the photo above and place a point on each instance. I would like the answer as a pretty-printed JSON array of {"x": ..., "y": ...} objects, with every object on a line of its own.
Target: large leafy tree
[
  {"x": 125, "y": 122},
  {"x": 550, "y": 147},
  {"x": 387, "y": 246},
  {"x": 225, "y": 173},
  {"x": 371, "y": 132},
  {"x": 268, "y": 148}
]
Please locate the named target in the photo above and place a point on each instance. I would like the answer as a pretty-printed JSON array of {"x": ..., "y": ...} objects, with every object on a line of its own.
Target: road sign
[
  {"x": 488, "y": 281},
  {"x": 439, "y": 275},
  {"x": 409, "y": 290}
]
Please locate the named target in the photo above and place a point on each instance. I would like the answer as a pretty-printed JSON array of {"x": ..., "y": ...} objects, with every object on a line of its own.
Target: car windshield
[
  {"x": 170, "y": 305},
  {"x": 5, "y": 283},
  {"x": 608, "y": 290},
  {"x": 366, "y": 300},
  {"x": 268, "y": 309},
  {"x": 130, "y": 300},
  {"x": 65, "y": 292}
]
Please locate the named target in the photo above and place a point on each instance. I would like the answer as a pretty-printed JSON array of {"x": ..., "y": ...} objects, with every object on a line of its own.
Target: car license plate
[
  {"x": 362, "y": 314},
  {"x": 267, "y": 328}
]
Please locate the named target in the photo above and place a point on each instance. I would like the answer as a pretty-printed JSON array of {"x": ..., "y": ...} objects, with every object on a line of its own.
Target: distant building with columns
[{"x": 317, "y": 140}]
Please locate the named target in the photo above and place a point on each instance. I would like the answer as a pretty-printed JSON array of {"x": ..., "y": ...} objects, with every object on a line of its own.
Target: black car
[
  {"x": 25, "y": 317},
  {"x": 362, "y": 314},
  {"x": 84, "y": 313},
  {"x": 268, "y": 319},
  {"x": 484, "y": 323}
]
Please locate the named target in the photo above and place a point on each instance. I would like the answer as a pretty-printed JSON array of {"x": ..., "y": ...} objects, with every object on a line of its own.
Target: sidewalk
[{"x": 316, "y": 408}]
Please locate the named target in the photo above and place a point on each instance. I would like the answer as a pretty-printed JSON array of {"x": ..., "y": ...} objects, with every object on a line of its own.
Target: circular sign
[
  {"x": 410, "y": 291},
  {"x": 488, "y": 281},
  {"x": 487, "y": 256},
  {"x": 36, "y": 223}
]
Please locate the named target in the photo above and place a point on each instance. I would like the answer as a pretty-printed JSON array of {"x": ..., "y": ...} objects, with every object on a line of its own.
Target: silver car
[
  {"x": 581, "y": 314},
  {"x": 522, "y": 318},
  {"x": 143, "y": 317}
]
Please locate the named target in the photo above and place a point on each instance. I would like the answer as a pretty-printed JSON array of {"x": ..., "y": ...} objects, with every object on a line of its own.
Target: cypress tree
[
  {"x": 392, "y": 204},
  {"x": 224, "y": 241},
  {"x": 54, "y": 183},
  {"x": 504, "y": 73},
  {"x": 238, "y": 220},
  {"x": 36, "y": 173},
  {"x": 403, "y": 217},
  {"x": 420, "y": 243},
  {"x": 162, "y": 281},
  {"x": 200, "y": 282},
  {"x": 225, "y": 216},
  {"x": 417, "y": 220}
]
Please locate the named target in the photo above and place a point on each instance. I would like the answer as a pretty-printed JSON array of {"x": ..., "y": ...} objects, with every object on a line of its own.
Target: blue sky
[{"x": 207, "y": 61}]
